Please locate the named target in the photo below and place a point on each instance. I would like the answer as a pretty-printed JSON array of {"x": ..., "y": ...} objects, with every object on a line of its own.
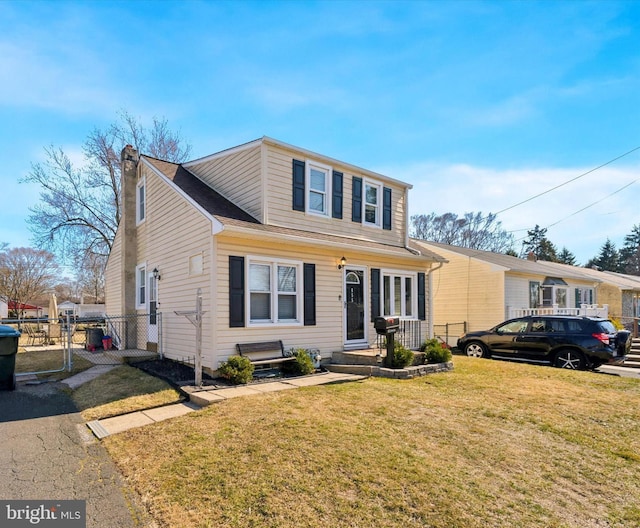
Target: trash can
[
  {"x": 8, "y": 349},
  {"x": 94, "y": 338},
  {"x": 107, "y": 342}
]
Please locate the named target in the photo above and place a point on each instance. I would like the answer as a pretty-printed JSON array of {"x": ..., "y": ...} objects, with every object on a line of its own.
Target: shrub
[
  {"x": 435, "y": 351},
  {"x": 617, "y": 323},
  {"x": 402, "y": 356},
  {"x": 237, "y": 370},
  {"x": 303, "y": 364}
]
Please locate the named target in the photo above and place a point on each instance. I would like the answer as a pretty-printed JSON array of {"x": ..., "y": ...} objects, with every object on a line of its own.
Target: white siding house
[{"x": 281, "y": 242}]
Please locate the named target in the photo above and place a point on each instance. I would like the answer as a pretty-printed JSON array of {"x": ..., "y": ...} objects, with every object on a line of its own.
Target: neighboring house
[
  {"x": 621, "y": 293},
  {"x": 81, "y": 309},
  {"x": 282, "y": 243},
  {"x": 25, "y": 310},
  {"x": 4, "y": 310},
  {"x": 478, "y": 289}
]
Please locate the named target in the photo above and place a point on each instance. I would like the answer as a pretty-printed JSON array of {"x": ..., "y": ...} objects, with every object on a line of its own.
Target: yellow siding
[
  {"x": 328, "y": 334},
  {"x": 237, "y": 176},
  {"x": 611, "y": 295},
  {"x": 467, "y": 290},
  {"x": 280, "y": 212},
  {"x": 113, "y": 277},
  {"x": 179, "y": 231}
]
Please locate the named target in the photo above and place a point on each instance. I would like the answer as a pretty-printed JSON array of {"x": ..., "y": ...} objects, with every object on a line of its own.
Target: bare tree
[
  {"x": 25, "y": 274},
  {"x": 80, "y": 207},
  {"x": 474, "y": 231},
  {"x": 91, "y": 279}
]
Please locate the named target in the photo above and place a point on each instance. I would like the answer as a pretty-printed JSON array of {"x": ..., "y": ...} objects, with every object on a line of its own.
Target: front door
[{"x": 354, "y": 305}]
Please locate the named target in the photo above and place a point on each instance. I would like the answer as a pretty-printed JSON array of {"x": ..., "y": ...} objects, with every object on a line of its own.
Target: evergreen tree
[
  {"x": 630, "y": 252},
  {"x": 538, "y": 244},
  {"x": 566, "y": 257},
  {"x": 607, "y": 260}
]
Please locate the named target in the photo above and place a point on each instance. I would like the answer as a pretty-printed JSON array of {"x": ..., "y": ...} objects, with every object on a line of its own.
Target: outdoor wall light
[
  {"x": 156, "y": 274},
  {"x": 343, "y": 262}
]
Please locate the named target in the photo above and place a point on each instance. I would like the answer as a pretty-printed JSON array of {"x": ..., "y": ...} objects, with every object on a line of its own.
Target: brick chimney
[
  {"x": 129, "y": 182},
  {"x": 532, "y": 256}
]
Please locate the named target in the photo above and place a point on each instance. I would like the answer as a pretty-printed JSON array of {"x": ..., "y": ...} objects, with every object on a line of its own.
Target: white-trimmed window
[
  {"x": 141, "y": 286},
  {"x": 275, "y": 291},
  {"x": 554, "y": 295},
  {"x": 400, "y": 294},
  {"x": 372, "y": 202},
  {"x": 318, "y": 188},
  {"x": 141, "y": 197},
  {"x": 584, "y": 296}
]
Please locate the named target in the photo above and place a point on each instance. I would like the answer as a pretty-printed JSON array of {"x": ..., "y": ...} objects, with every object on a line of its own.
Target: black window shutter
[
  {"x": 356, "y": 200},
  {"x": 236, "y": 291},
  {"x": 375, "y": 293},
  {"x": 298, "y": 185},
  {"x": 336, "y": 203},
  {"x": 309, "y": 294},
  {"x": 386, "y": 208},
  {"x": 422, "y": 297}
]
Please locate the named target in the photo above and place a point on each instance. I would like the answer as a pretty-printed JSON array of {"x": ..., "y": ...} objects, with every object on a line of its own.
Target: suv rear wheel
[{"x": 569, "y": 359}]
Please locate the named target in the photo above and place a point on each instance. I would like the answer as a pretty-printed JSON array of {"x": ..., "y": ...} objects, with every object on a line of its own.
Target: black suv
[{"x": 564, "y": 341}]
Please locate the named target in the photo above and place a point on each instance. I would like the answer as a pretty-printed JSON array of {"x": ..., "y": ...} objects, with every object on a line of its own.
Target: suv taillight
[{"x": 602, "y": 337}]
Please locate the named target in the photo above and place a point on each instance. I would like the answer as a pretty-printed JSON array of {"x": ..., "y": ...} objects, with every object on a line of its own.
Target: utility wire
[
  {"x": 584, "y": 208},
  {"x": 569, "y": 181},
  {"x": 594, "y": 203}
]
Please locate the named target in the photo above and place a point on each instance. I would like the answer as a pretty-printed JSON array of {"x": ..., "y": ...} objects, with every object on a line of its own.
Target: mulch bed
[
  {"x": 179, "y": 374},
  {"x": 174, "y": 372}
]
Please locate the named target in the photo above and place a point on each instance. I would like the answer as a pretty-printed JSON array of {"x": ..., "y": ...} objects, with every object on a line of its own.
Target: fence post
[{"x": 68, "y": 344}]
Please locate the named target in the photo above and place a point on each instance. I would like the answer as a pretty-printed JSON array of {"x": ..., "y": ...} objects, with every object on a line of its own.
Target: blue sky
[{"x": 479, "y": 105}]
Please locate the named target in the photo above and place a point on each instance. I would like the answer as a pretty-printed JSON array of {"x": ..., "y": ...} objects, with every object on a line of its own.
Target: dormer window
[
  {"x": 318, "y": 185},
  {"x": 372, "y": 193}
]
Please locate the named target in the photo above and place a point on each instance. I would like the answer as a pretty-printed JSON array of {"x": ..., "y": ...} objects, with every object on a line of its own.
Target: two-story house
[{"x": 283, "y": 243}]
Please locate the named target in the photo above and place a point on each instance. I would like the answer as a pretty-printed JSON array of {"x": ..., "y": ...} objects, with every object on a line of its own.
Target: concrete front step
[
  {"x": 130, "y": 355},
  {"x": 357, "y": 357},
  {"x": 633, "y": 363}
]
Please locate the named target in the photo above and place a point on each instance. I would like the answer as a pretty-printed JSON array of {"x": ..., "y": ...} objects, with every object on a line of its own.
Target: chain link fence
[
  {"x": 50, "y": 345},
  {"x": 450, "y": 332}
]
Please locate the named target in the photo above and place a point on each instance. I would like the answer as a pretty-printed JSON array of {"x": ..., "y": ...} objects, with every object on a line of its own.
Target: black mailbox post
[{"x": 387, "y": 326}]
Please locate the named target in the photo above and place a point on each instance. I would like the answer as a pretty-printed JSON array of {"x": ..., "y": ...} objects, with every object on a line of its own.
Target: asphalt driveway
[{"x": 47, "y": 453}]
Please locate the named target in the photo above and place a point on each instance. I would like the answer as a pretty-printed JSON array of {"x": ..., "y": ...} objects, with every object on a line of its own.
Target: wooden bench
[{"x": 264, "y": 352}]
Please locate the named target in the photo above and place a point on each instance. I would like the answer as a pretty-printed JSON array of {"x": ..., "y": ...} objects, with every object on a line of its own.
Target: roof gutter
[{"x": 301, "y": 239}]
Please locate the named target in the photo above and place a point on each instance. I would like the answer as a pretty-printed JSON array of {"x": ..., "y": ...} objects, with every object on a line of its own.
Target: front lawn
[
  {"x": 490, "y": 444},
  {"x": 122, "y": 390}
]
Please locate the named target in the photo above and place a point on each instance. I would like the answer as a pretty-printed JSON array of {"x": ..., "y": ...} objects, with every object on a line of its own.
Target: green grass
[
  {"x": 44, "y": 360},
  {"x": 489, "y": 444},
  {"x": 122, "y": 390}
]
